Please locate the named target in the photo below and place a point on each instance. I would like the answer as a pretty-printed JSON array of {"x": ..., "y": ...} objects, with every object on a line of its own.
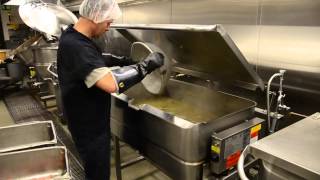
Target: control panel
[{"x": 227, "y": 145}]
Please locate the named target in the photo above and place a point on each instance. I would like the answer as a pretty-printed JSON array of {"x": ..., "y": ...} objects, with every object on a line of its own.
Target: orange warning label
[
  {"x": 232, "y": 160},
  {"x": 252, "y": 135}
]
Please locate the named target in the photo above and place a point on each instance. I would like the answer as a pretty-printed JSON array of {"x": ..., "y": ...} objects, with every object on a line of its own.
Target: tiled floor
[
  {"x": 5, "y": 118},
  {"x": 140, "y": 171},
  {"x": 143, "y": 170}
]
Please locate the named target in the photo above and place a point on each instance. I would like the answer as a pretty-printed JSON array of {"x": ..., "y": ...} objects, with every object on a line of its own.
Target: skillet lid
[{"x": 201, "y": 50}]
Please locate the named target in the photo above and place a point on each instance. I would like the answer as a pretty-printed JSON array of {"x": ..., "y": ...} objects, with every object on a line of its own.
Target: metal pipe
[
  {"x": 132, "y": 162},
  {"x": 51, "y": 72},
  {"x": 117, "y": 157},
  {"x": 271, "y": 126},
  {"x": 51, "y": 80},
  {"x": 268, "y": 98}
]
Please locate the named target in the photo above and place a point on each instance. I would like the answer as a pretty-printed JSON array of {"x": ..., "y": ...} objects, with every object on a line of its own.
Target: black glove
[
  {"x": 128, "y": 76},
  {"x": 8, "y": 60},
  {"x": 112, "y": 60}
]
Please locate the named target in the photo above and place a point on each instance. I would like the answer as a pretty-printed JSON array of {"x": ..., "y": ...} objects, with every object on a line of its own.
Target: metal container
[
  {"x": 26, "y": 56},
  {"x": 42, "y": 163},
  {"x": 185, "y": 115},
  {"x": 27, "y": 135},
  {"x": 44, "y": 56},
  {"x": 16, "y": 71},
  {"x": 173, "y": 130},
  {"x": 183, "y": 143}
]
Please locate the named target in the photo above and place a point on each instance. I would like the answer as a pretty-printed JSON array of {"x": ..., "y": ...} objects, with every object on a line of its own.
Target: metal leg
[
  {"x": 132, "y": 162},
  {"x": 117, "y": 156},
  {"x": 119, "y": 165}
]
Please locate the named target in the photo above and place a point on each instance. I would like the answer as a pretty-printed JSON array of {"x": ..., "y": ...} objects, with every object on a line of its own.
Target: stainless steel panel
[
  {"x": 158, "y": 12},
  {"x": 156, "y": 154},
  {"x": 290, "y": 12},
  {"x": 27, "y": 135},
  {"x": 292, "y": 48},
  {"x": 294, "y": 149},
  {"x": 43, "y": 163},
  {"x": 207, "y": 51},
  {"x": 183, "y": 137},
  {"x": 117, "y": 44},
  {"x": 289, "y": 39},
  {"x": 244, "y": 12},
  {"x": 240, "y": 19},
  {"x": 304, "y": 85},
  {"x": 270, "y": 172},
  {"x": 246, "y": 37}
]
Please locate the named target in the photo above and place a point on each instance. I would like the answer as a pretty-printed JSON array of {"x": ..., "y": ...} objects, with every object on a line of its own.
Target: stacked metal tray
[
  {"x": 28, "y": 151},
  {"x": 27, "y": 135},
  {"x": 45, "y": 163}
]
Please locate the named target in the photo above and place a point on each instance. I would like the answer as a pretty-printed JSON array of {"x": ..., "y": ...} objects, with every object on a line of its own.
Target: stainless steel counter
[{"x": 291, "y": 153}]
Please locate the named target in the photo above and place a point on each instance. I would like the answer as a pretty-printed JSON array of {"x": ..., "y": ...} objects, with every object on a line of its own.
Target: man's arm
[
  {"x": 119, "y": 80},
  {"x": 103, "y": 79},
  {"x": 107, "y": 83},
  {"x": 113, "y": 60}
]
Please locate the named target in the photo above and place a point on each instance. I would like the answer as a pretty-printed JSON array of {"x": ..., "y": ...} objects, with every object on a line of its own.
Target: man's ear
[{"x": 109, "y": 24}]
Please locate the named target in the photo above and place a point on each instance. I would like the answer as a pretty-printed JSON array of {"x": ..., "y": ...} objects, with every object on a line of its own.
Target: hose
[{"x": 240, "y": 165}]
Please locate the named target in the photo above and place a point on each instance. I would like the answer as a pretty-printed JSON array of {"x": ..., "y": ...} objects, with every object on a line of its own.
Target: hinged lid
[{"x": 200, "y": 50}]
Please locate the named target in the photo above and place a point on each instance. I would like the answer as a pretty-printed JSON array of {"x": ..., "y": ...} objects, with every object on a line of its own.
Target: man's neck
[{"x": 85, "y": 27}]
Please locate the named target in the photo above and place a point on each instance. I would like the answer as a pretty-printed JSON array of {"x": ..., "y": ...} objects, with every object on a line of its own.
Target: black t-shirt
[{"x": 87, "y": 109}]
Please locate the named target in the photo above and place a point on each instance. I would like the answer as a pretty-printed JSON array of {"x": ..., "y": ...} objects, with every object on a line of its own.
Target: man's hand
[
  {"x": 150, "y": 63},
  {"x": 128, "y": 76},
  {"x": 125, "y": 77}
]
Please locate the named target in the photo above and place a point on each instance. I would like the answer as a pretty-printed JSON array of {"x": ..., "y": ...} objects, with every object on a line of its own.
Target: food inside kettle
[{"x": 178, "y": 108}]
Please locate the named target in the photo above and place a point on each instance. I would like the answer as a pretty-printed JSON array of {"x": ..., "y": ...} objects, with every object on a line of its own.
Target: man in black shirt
[{"x": 86, "y": 82}]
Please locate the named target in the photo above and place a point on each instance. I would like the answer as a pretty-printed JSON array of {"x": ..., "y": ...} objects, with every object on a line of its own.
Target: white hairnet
[{"x": 100, "y": 10}]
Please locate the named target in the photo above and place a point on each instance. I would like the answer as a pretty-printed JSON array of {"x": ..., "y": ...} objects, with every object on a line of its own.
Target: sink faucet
[{"x": 272, "y": 121}]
